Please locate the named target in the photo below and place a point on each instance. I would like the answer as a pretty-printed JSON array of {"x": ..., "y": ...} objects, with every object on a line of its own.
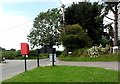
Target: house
[{"x": 111, "y": 15}]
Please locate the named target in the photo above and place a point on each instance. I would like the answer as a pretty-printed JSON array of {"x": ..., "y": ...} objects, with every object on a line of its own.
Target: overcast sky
[{"x": 16, "y": 19}]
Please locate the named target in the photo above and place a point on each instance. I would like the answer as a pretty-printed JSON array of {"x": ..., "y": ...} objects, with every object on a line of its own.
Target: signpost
[
  {"x": 47, "y": 50},
  {"x": 25, "y": 51},
  {"x": 52, "y": 58}
]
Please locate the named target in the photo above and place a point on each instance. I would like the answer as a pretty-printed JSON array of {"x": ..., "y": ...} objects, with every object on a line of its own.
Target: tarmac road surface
[{"x": 13, "y": 67}]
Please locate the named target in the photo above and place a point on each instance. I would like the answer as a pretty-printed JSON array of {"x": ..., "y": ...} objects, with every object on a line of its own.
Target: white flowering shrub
[{"x": 96, "y": 51}]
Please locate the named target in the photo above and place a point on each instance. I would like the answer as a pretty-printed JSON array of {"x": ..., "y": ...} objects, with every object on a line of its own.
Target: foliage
[
  {"x": 44, "y": 55},
  {"x": 9, "y": 54},
  {"x": 18, "y": 53},
  {"x": 96, "y": 51},
  {"x": 62, "y": 74},
  {"x": 12, "y": 49},
  {"x": 33, "y": 53},
  {"x": 58, "y": 53},
  {"x": 87, "y": 15},
  {"x": 45, "y": 29},
  {"x": 107, "y": 37},
  {"x": 75, "y": 37},
  {"x": 79, "y": 52},
  {"x": 104, "y": 41},
  {"x": 3, "y": 49}
]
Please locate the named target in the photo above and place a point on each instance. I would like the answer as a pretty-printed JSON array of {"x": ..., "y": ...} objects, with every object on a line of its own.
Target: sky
[{"x": 16, "y": 19}]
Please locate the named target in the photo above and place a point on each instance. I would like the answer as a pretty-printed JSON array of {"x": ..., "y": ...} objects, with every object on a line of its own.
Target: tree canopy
[
  {"x": 45, "y": 31},
  {"x": 87, "y": 15}
]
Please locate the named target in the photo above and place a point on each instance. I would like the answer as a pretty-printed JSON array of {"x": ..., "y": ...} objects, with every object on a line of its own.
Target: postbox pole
[{"x": 25, "y": 63}]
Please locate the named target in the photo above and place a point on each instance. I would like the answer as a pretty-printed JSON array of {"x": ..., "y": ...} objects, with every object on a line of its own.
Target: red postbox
[{"x": 25, "y": 49}]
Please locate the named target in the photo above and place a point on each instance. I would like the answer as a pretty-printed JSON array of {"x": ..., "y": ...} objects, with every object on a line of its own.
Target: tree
[
  {"x": 45, "y": 31},
  {"x": 12, "y": 49},
  {"x": 88, "y": 16},
  {"x": 3, "y": 49},
  {"x": 75, "y": 37},
  {"x": 108, "y": 35}
]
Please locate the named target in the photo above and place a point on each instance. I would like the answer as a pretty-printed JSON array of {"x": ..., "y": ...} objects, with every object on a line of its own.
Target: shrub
[
  {"x": 33, "y": 53},
  {"x": 58, "y": 53},
  {"x": 76, "y": 53},
  {"x": 80, "y": 52},
  {"x": 18, "y": 54},
  {"x": 44, "y": 55},
  {"x": 75, "y": 37}
]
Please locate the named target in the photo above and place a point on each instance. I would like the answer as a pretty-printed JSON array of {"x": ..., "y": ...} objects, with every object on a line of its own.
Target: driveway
[
  {"x": 106, "y": 65},
  {"x": 13, "y": 67}
]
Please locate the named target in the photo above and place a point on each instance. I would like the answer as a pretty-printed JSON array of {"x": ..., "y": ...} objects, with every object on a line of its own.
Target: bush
[
  {"x": 9, "y": 54},
  {"x": 18, "y": 54},
  {"x": 58, "y": 53},
  {"x": 33, "y": 53},
  {"x": 44, "y": 55},
  {"x": 80, "y": 52},
  {"x": 76, "y": 53},
  {"x": 75, "y": 37}
]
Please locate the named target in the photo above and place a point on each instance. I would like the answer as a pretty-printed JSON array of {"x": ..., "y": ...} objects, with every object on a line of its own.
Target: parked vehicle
[{"x": 3, "y": 60}]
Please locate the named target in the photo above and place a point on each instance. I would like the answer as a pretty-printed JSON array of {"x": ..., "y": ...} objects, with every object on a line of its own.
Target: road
[{"x": 13, "y": 67}]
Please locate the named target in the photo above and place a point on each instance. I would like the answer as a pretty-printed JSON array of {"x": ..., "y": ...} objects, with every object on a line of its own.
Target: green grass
[
  {"x": 0, "y": 81},
  {"x": 106, "y": 58},
  {"x": 66, "y": 74}
]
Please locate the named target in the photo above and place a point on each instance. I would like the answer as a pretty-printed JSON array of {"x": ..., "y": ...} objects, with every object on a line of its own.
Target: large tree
[
  {"x": 45, "y": 31},
  {"x": 88, "y": 16}
]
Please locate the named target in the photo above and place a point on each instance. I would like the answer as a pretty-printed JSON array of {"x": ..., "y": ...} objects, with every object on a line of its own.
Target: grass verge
[
  {"x": 106, "y": 58},
  {"x": 66, "y": 74}
]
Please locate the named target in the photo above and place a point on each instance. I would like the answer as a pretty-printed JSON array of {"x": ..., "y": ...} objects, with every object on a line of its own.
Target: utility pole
[
  {"x": 64, "y": 30},
  {"x": 116, "y": 26},
  {"x": 115, "y": 12},
  {"x": 63, "y": 15},
  {"x": 63, "y": 7}
]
